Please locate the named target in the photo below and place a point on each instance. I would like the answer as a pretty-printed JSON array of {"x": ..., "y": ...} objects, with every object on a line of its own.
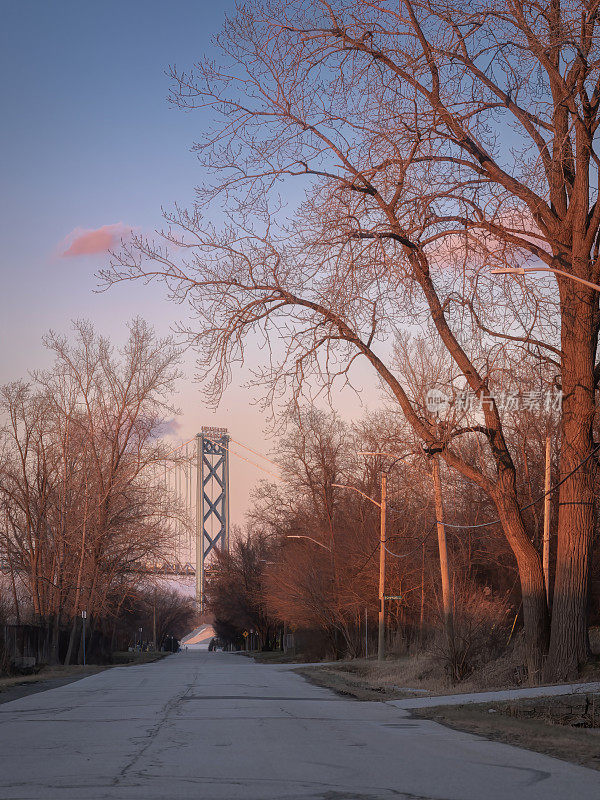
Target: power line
[
  {"x": 368, "y": 558},
  {"x": 523, "y": 508},
  {"x": 418, "y": 547}
]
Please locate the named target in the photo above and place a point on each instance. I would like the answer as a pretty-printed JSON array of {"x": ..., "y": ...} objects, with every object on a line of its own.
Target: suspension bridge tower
[{"x": 212, "y": 500}]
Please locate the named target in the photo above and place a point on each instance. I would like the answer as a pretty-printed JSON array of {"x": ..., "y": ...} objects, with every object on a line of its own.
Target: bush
[{"x": 482, "y": 625}]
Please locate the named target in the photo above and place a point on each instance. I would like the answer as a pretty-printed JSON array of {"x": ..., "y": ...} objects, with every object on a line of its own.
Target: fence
[{"x": 28, "y": 645}]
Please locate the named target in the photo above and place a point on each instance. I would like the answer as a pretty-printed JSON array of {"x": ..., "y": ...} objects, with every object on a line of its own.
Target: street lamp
[
  {"x": 382, "y": 540},
  {"x": 523, "y": 270},
  {"x": 381, "y": 507}
]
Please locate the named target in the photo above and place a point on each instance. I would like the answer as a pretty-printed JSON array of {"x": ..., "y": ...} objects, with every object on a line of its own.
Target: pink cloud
[
  {"x": 169, "y": 427},
  {"x": 85, "y": 242}
]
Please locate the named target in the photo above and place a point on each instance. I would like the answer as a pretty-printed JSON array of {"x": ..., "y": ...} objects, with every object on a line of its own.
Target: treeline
[
  {"x": 309, "y": 560},
  {"x": 81, "y": 501}
]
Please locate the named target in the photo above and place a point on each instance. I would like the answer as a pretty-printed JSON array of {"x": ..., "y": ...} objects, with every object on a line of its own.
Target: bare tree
[
  {"x": 323, "y": 575},
  {"x": 235, "y": 590},
  {"x": 436, "y": 141},
  {"x": 79, "y": 481}
]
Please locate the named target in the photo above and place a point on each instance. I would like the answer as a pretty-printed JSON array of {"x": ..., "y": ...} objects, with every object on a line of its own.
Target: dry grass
[
  {"x": 563, "y": 727},
  {"x": 394, "y": 678},
  {"x": 274, "y": 657}
]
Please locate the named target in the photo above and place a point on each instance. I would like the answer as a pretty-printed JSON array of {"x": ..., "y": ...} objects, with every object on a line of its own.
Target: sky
[{"x": 89, "y": 149}]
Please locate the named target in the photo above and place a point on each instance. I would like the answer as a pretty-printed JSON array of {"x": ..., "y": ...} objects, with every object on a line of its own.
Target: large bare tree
[{"x": 435, "y": 141}]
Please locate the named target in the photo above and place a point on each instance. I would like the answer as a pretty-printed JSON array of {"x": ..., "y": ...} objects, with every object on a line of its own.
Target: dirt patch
[{"x": 564, "y": 727}]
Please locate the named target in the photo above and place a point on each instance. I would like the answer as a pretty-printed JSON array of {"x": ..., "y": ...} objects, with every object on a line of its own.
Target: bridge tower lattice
[{"x": 212, "y": 501}]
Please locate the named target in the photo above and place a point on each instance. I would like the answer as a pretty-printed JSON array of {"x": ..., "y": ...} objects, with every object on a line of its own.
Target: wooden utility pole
[
  {"x": 154, "y": 621},
  {"x": 381, "y": 631},
  {"x": 441, "y": 533},
  {"x": 546, "y": 550}
]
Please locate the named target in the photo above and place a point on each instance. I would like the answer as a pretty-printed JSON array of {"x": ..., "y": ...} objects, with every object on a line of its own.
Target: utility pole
[
  {"x": 84, "y": 616},
  {"x": 154, "y": 621},
  {"x": 546, "y": 550},
  {"x": 382, "y": 542},
  {"x": 441, "y": 533},
  {"x": 381, "y": 631}
]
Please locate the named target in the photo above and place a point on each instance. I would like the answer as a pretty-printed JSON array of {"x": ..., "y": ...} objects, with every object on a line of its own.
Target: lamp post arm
[
  {"x": 523, "y": 270},
  {"x": 354, "y": 489},
  {"x": 298, "y": 536},
  {"x": 396, "y": 460}
]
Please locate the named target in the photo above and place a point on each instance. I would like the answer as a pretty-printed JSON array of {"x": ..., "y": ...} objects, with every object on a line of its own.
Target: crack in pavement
[
  {"x": 156, "y": 744},
  {"x": 153, "y": 732}
]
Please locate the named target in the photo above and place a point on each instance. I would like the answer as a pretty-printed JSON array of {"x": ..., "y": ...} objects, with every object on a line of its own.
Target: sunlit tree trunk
[{"x": 568, "y": 644}]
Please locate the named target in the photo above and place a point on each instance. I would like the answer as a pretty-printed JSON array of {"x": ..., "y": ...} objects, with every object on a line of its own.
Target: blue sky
[{"x": 88, "y": 140}]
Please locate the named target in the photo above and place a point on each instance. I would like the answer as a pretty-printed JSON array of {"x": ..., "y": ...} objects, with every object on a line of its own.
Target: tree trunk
[
  {"x": 72, "y": 639},
  {"x": 54, "y": 639},
  {"x": 568, "y": 641},
  {"x": 85, "y": 635},
  {"x": 533, "y": 590},
  {"x": 14, "y": 592}
]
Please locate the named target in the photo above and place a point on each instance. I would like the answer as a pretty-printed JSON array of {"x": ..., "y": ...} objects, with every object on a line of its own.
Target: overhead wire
[
  {"x": 551, "y": 490},
  {"x": 418, "y": 547},
  {"x": 360, "y": 569}
]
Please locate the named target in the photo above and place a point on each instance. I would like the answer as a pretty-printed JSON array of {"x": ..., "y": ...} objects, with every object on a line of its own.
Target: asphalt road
[{"x": 213, "y": 725}]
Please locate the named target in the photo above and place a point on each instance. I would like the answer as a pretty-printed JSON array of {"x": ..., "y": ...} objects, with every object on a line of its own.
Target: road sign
[
  {"x": 245, "y": 634},
  {"x": 393, "y": 597}
]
